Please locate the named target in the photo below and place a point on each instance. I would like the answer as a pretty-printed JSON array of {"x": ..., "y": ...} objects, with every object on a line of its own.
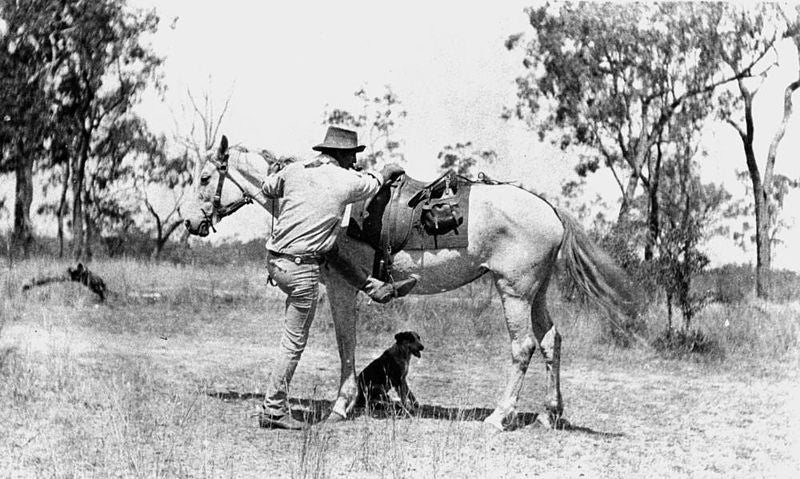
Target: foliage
[
  {"x": 26, "y": 50},
  {"x": 687, "y": 342},
  {"x": 781, "y": 186},
  {"x": 99, "y": 67},
  {"x": 689, "y": 211},
  {"x": 613, "y": 76},
  {"x": 462, "y": 157},
  {"x": 379, "y": 117},
  {"x": 734, "y": 284},
  {"x": 750, "y": 35}
]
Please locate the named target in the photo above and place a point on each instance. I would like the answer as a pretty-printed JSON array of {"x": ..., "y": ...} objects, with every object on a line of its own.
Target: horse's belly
[{"x": 438, "y": 270}]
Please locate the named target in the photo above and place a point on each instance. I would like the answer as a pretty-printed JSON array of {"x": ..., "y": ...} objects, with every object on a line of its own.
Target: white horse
[{"x": 514, "y": 235}]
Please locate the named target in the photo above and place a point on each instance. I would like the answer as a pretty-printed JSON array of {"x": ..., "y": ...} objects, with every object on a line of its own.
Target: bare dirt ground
[{"x": 145, "y": 390}]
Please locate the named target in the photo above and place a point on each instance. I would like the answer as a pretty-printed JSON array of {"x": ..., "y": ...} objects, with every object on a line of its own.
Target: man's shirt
[{"x": 311, "y": 198}]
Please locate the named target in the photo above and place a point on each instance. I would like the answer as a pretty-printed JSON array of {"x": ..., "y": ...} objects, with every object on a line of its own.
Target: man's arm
[
  {"x": 272, "y": 186},
  {"x": 367, "y": 184},
  {"x": 363, "y": 185}
]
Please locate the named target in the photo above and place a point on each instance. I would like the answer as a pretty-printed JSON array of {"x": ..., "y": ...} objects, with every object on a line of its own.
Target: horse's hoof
[
  {"x": 552, "y": 421},
  {"x": 543, "y": 420},
  {"x": 495, "y": 421},
  {"x": 334, "y": 418},
  {"x": 562, "y": 424}
]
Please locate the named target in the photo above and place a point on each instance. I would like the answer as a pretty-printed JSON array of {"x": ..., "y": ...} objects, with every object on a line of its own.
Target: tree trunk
[
  {"x": 763, "y": 246},
  {"x": 760, "y": 196},
  {"x": 669, "y": 314},
  {"x": 88, "y": 227},
  {"x": 761, "y": 200},
  {"x": 78, "y": 173},
  {"x": 627, "y": 198},
  {"x": 23, "y": 230},
  {"x": 163, "y": 237},
  {"x": 62, "y": 206},
  {"x": 654, "y": 228}
]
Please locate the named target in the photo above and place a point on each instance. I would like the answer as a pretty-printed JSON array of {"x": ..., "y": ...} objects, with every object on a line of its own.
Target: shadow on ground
[{"x": 317, "y": 410}]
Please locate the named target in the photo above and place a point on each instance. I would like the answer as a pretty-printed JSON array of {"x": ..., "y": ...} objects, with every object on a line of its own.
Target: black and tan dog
[{"x": 390, "y": 371}]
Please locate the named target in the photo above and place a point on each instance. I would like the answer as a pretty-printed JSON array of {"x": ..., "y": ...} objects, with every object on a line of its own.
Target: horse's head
[
  {"x": 212, "y": 196},
  {"x": 226, "y": 180}
]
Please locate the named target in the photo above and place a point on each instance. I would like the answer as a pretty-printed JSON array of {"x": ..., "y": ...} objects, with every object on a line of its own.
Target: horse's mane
[{"x": 276, "y": 162}]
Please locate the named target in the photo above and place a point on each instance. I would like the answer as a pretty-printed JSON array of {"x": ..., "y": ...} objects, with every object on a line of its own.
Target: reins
[{"x": 219, "y": 210}]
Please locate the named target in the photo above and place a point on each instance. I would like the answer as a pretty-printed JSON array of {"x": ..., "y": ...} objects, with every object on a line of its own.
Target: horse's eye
[{"x": 204, "y": 179}]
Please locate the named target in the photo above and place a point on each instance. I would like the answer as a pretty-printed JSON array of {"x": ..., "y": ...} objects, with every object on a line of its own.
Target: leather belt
[{"x": 298, "y": 259}]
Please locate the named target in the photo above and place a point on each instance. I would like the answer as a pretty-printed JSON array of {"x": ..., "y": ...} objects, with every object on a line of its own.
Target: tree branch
[
  {"x": 776, "y": 140},
  {"x": 737, "y": 128}
]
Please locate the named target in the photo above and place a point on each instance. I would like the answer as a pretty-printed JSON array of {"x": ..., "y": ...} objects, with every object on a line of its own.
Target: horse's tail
[{"x": 597, "y": 275}]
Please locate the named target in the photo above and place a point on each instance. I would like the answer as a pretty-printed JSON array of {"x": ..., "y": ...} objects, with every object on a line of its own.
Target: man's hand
[{"x": 391, "y": 172}]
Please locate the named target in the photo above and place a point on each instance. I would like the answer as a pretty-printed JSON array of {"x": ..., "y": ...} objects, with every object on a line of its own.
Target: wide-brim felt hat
[{"x": 340, "y": 139}]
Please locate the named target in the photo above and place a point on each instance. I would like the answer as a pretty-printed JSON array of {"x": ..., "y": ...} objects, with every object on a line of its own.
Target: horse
[{"x": 514, "y": 235}]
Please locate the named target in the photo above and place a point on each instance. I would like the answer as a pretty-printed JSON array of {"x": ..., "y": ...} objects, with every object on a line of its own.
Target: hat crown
[{"x": 340, "y": 139}]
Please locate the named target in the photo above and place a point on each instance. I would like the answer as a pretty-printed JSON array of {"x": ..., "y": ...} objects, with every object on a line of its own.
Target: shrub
[
  {"x": 729, "y": 284},
  {"x": 682, "y": 343}
]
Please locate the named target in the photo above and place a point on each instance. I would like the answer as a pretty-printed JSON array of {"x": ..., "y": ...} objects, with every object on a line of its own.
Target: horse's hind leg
[
  {"x": 516, "y": 308},
  {"x": 549, "y": 340}
]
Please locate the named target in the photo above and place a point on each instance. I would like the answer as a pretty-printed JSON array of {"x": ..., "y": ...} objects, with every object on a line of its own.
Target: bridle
[{"x": 218, "y": 210}]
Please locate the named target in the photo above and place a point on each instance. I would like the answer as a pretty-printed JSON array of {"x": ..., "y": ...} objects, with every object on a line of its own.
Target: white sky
[{"x": 287, "y": 62}]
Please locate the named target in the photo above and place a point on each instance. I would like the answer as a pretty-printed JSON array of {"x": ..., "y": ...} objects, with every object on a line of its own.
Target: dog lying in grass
[
  {"x": 390, "y": 371},
  {"x": 79, "y": 274},
  {"x": 82, "y": 275}
]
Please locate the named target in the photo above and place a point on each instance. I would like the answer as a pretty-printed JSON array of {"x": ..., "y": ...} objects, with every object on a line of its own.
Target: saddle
[{"x": 408, "y": 214}]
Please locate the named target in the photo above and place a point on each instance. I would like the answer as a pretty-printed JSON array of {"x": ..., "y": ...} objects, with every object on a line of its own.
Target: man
[{"x": 312, "y": 197}]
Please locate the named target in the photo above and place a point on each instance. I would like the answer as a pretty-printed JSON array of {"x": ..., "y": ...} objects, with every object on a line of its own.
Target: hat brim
[{"x": 323, "y": 147}]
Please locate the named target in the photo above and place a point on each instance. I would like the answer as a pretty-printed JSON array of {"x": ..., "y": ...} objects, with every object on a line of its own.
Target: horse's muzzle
[{"x": 200, "y": 230}]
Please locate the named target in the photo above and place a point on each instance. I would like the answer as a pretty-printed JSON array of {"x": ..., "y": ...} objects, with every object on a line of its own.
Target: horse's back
[{"x": 512, "y": 215}]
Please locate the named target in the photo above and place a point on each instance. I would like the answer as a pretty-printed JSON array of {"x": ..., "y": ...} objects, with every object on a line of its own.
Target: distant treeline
[
  {"x": 141, "y": 247},
  {"x": 730, "y": 283}
]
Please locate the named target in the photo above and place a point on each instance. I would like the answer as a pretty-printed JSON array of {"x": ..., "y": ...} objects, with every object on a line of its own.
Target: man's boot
[
  {"x": 377, "y": 290},
  {"x": 382, "y": 292}
]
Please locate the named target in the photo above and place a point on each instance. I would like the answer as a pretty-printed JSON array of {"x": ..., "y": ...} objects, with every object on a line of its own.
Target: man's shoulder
[{"x": 320, "y": 160}]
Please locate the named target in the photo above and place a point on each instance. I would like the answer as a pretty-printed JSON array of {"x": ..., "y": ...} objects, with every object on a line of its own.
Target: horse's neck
[{"x": 249, "y": 170}]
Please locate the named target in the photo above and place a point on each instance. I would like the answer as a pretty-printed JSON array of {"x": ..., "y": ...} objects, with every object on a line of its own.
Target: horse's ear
[{"x": 223, "y": 144}]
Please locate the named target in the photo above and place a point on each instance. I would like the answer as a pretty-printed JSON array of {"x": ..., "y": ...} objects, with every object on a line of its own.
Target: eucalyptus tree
[
  {"x": 103, "y": 66},
  {"x": 613, "y": 77},
  {"x": 463, "y": 157},
  {"x": 71, "y": 69},
  {"x": 27, "y": 48},
  {"x": 749, "y": 32}
]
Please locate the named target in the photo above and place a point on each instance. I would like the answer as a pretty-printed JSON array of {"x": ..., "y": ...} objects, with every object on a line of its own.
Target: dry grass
[{"x": 122, "y": 389}]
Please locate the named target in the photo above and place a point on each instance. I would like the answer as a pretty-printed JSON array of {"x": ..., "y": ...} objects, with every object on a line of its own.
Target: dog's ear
[{"x": 404, "y": 337}]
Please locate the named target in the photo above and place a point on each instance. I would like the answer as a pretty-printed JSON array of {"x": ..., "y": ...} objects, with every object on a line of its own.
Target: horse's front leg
[{"x": 342, "y": 298}]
